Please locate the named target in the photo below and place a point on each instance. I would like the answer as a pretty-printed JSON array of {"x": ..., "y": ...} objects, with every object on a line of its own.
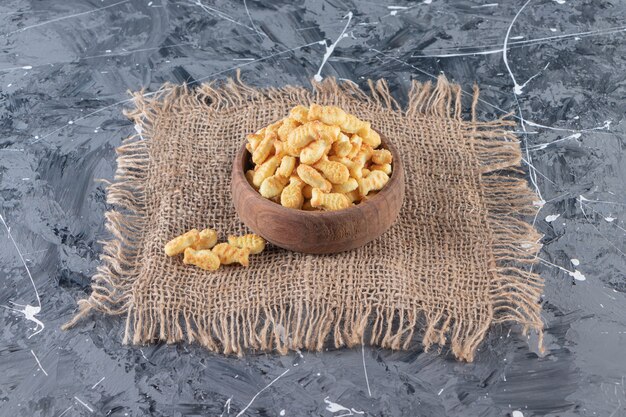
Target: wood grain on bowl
[{"x": 318, "y": 231}]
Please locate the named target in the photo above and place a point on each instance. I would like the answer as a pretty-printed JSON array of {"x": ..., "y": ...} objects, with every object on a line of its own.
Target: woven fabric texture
[{"x": 454, "y": 263}]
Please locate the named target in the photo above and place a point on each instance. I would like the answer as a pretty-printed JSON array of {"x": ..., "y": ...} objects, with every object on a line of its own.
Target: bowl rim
[{"x": 397, "y": 166}]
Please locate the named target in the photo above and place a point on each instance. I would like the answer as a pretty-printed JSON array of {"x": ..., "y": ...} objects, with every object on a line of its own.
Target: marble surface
[{"x": 65, "y": 68}]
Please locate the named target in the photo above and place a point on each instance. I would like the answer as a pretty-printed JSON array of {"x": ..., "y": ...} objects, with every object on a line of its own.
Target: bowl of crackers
[{"x": 318, "y": 181}]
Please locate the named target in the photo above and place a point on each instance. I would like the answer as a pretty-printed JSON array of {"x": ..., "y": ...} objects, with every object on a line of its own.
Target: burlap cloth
[{"x": 450, "y": 267}]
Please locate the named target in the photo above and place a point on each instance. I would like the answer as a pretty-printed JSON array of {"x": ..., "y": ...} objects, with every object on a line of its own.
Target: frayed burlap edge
[{"x": 515, "y": 292}]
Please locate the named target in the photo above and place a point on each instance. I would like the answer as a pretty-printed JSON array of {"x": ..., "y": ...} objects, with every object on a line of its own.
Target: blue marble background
[{"x": 65, "y": 69}]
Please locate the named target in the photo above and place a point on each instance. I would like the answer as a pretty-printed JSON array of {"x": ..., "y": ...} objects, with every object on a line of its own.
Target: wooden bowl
[{"x": 317, "y": 231}]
